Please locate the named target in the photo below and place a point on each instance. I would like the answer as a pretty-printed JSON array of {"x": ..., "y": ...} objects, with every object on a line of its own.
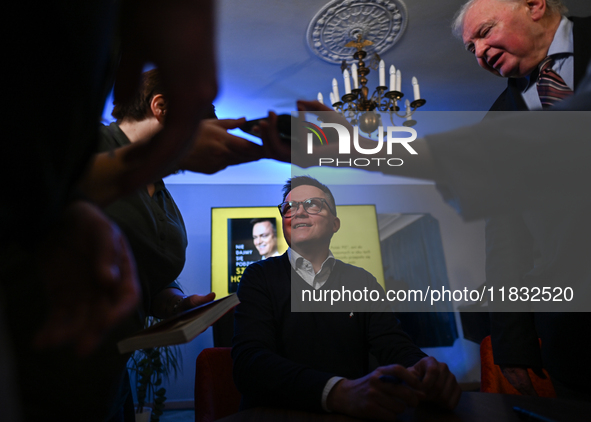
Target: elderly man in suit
[
  {"x": 511, "y": 38},
  {"x": 544, "y": 55}
]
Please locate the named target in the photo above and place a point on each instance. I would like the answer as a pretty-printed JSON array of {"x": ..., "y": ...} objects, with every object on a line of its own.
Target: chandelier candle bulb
[
  {"x": 415, "y": 88},
  {"x": 355, "y": 77},
  {"x": 392, "y": 78},
  {"x": 320, "y": 98},
  {"x": 335, "y": 90},
  {"x": 347, "y": 81},
  {"x": 359, "y": 105}
]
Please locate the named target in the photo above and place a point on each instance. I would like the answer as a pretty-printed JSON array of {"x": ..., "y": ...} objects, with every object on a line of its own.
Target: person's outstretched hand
[{"x": 213, "y": 148}]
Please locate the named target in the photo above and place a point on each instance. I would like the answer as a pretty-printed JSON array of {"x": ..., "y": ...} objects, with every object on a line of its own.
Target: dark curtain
[{"x": 413, "y": 259}]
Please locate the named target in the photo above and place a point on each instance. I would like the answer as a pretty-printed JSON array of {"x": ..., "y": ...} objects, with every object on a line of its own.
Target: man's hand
[
  {"x": 372, "y": 398},
  {"x": 214, "y": 148},
  {"x": 519, "y": 378},
  {"x": 437, "y": 382},
  {"x": 90, "y": 279},
  {"x": 315, "y": 106},
  {"x": 273, "y": 146}
]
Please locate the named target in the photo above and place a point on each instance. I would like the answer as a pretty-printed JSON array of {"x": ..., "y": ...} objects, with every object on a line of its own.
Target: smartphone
[{"x": 283, "y": 127}]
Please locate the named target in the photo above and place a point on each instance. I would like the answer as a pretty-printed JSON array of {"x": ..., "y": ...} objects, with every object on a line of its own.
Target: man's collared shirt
[
  {"x": 562, "y": 51},
  {"x": 304, "y": 268}
]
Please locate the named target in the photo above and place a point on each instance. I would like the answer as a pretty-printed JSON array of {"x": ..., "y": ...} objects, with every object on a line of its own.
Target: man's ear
[
  {"x": 336, "y": 225},
  {"x": 537, "y": 9},
  {"x": 286, "y": 232},
  {"x": 158, "y": 107}
]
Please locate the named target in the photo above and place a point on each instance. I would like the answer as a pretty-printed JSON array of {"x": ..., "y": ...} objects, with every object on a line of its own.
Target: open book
[{"x": 180, "y": 328}]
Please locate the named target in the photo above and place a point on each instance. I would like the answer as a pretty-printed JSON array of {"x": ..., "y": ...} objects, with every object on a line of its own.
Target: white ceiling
[
  {"x": 264, "y": 58},
  {"x": 264, "y": 64}
]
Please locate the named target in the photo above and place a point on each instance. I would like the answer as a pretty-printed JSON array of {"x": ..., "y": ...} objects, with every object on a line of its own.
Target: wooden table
[{"x": 473, "y": 407}]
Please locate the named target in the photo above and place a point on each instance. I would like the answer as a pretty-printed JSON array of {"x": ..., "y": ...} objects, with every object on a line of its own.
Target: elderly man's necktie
[{"x": 551, "y": 87}]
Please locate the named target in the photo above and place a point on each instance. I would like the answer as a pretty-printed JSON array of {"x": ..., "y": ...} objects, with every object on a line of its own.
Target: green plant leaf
[{"x": 149, "y": 367}]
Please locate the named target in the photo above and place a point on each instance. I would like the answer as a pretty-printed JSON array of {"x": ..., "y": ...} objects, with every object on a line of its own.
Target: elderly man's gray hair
[{"x": 457, "y": 27}]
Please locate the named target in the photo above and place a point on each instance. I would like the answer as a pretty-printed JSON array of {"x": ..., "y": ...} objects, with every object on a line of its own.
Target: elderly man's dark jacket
[{"x": 543, "y": 246}]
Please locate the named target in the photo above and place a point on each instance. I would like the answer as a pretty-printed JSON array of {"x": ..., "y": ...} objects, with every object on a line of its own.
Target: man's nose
[{"x": 480, "y": 49}]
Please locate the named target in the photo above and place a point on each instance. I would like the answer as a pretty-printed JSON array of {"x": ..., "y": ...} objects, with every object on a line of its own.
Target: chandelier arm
[
  {"x": 362, "y": 110},
  {"x": 402, "y": 116}
]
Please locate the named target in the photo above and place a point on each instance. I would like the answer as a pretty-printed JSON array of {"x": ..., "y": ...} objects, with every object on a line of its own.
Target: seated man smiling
[{"x": 319, "y": 360}]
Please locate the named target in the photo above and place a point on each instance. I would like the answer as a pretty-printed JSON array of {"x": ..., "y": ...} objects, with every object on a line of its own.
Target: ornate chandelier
[{"x": 358, "y": 107}]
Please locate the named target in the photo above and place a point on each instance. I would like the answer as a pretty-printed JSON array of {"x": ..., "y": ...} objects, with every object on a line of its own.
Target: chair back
[
  {"x": 492, "y": 379},
  {"x": 216, "y": 395}
]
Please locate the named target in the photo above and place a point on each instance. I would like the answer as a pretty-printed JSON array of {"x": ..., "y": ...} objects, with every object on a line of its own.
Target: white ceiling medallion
[{"x": 337, "y": 23}]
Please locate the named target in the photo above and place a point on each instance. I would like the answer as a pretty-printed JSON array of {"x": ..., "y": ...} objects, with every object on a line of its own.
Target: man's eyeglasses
[{"x": 311, "y": 206}]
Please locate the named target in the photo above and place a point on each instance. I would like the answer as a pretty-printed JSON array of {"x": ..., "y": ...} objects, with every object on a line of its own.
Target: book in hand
[{"x": 181, "y": 328}]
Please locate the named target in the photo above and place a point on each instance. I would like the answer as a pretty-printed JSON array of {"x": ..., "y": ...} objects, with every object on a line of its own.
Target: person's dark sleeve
[
  {"x": 387, "y": 340},
  {"x": 509, "y": 255},
  {"x": 389, "y": 343},
  {"x": 260, "y": 373},
  {"x": 514, "y": 162},
  {"x": 515, "y": 340}
]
